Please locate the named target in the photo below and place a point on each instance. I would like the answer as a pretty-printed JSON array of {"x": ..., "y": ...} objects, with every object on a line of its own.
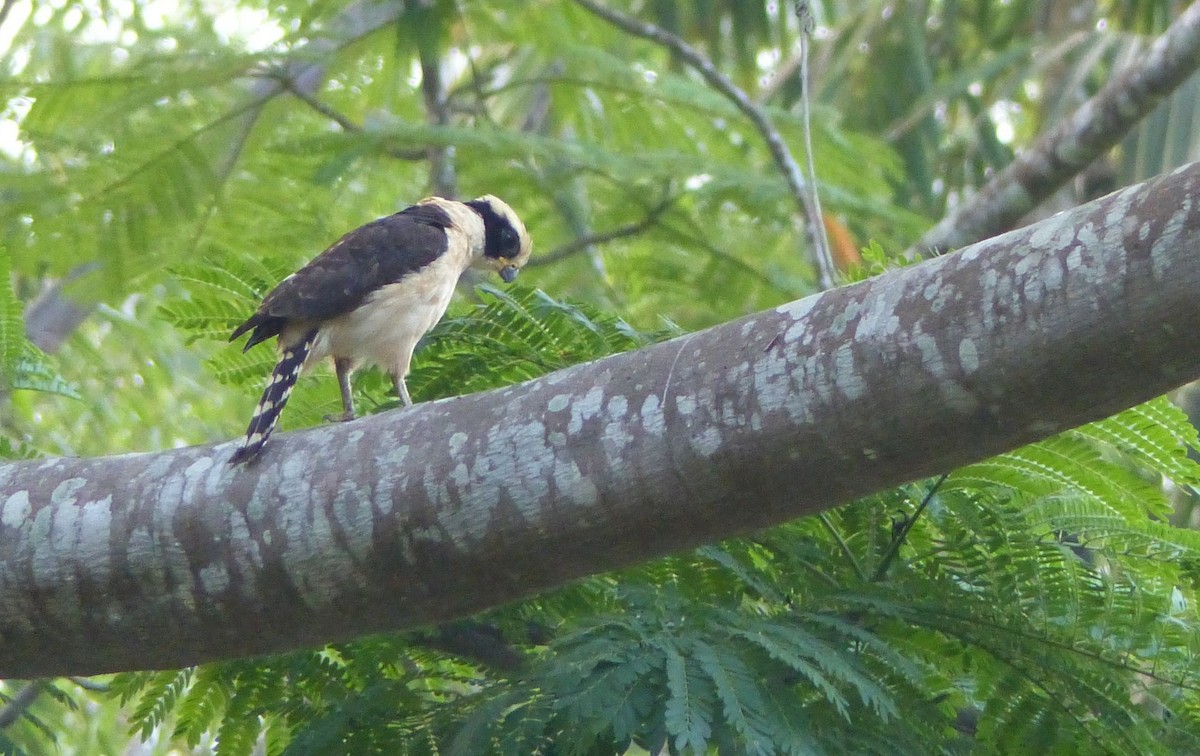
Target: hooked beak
[{"x": 509, "y": 273}]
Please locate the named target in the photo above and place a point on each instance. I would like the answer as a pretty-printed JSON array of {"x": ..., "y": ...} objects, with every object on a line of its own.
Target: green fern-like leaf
[
  {"x": 689, "y": 708},
  {"x": 739, "y": 694},
  {"x": 201, "y": 705},
  {"x": 157, "y": 698}
]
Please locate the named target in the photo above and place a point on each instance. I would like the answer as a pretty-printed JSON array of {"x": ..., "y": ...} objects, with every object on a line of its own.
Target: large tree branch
[
  {"x": 443, "y": 509},
  {"x": 1067, "y": 149}
]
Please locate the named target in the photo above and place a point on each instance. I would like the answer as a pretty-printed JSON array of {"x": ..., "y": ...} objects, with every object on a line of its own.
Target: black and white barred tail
[{"x": 274, "y": 397}]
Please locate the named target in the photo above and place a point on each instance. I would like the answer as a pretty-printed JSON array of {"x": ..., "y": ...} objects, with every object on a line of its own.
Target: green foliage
[
  {"x": 22, "y": 365},
  {"x": 1040, "y": 602}
]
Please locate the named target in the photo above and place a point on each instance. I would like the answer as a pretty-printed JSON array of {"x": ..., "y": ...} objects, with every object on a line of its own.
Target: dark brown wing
[{"x": 341, "y": 277}]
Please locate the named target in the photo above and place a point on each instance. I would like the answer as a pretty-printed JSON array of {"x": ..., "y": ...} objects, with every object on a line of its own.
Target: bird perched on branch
[{"x": 370, "y": 297}]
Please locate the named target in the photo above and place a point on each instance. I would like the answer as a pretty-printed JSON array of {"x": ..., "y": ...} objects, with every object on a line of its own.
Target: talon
[{"x": 345, "y": 417}]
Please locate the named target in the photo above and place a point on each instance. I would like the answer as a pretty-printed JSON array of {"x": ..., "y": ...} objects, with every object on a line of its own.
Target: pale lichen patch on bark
[
  {"x": 95, "y": 525},
  {"x": 59, "y": 536},
  {"x": 968, "y": 356},
  {"x": 1051, "y": 278},
  {"x": 197, "y": 468},
  {"x": 1167, "y": 242},
  {"x": 778, "y": 383},
  {"x": 653, "y": 422},
  {"x": 528, "y": 454},
  {"x": 585, "y": 408},
  {"x": 214, "y": 579},
  {"x": 879, "y": 318},
  {"x": 64, "y": 530},
  {"x": 393, "y": 476},
  {"x": 460, "y": 475},
  {"x": 354, "y": 516},
  {"x": 616, "y": 434},
  {"x": 846, "y": 375},
  {"x": 771, "y": 378},
  {"x": 1074, "y": 259},
  {"x": 16, "y": 509},
  {"x": 1053, "y": 233},
  {"x": 39, "y": 535},
  {"x": 844, "y": 319},
  {"x": 685, "y": 405},
  {"x": 617, "y": 408},
  {"x": 707, "y": 442},
  {"x": 931, "y": 353},
  {"x": 573, "y": 486},
  {"x": 315, "y": 570},
  {"x": 1086, "y": 236},
  {"x": 64, "y": 492},
  {"x": 799, "y": 331}
]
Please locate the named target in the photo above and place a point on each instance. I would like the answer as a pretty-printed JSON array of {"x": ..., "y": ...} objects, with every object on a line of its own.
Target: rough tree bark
[{"x": 433, "y": 512}]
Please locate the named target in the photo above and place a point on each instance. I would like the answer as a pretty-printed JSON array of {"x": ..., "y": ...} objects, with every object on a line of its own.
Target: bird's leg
[
  {"x": 402, "y": 390},
  {"x": 342, "y": 366}
]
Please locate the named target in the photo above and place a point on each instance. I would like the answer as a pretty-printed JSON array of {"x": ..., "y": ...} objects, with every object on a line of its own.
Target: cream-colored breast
[{"x": 386, "y": 327}]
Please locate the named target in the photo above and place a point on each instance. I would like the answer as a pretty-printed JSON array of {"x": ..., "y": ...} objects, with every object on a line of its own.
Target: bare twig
[
  {"x": 804, "y": 16},
  {"x": 778, "y": 148},
  {"x": 1079, "y": 139},
  {"x": 902, "y": 532},
  {"x": 442, "y": 179},
  {"x": 89, "y": 684},
  {"x": 842, "y": 545},
  {"x": 347, "y": 125},
  {"x": 581, "y": 243},
  {"x": 20, "y": 702},
  {"x": 53, "y": 315},
  {"x": 5, "y": 10}
]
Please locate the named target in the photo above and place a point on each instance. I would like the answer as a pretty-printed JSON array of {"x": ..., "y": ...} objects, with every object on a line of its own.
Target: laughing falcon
[{"x": 370, "y": 297}]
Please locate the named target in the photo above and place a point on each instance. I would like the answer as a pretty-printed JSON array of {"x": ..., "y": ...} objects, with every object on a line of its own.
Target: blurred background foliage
[{"x": 163, "y": 164}]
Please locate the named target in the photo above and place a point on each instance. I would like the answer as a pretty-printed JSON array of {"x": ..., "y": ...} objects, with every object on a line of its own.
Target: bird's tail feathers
[{"x": 274, "y": 397}]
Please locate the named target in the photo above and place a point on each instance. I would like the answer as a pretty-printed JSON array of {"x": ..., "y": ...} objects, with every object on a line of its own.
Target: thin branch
[
  {"x": 20, "y": 703},
  {"x": 443, "y": 181},
  {"x": 898, "y": 540},
  {"x": 778, "y": 148},
  {"x": 5, "y": 10},
  {"x": 311, "y": 101},
  {"x": 581, "y": 243},
  {"x": 804, "y": 16},
  {"x": 89, "y": 684},
  {"x": 53, "y": 315},
  {"x": 1078, "y": 140},
  {"x": 347, "y": 125},
  {"x": 842, "y": 545}
]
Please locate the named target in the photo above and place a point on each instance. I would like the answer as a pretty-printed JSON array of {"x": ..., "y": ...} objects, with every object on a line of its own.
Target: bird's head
[{"x": 506, "y": 244}]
